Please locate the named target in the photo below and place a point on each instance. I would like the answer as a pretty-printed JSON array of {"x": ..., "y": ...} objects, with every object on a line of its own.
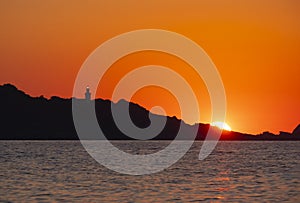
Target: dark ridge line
[{"x": 24, "y": 117}]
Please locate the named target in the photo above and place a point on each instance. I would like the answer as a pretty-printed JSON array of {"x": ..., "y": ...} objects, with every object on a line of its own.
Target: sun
[{"x": 221, "y": 125}]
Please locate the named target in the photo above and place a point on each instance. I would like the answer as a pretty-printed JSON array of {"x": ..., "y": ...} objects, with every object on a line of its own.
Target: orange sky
[{"x": 254, "y": 44}]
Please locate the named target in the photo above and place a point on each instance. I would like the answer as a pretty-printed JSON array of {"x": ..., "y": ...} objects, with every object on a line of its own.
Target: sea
[{"x": 236, "y": 171}]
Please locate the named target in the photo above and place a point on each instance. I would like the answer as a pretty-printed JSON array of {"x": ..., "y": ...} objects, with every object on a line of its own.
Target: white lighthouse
[{"x": 87, "y": 93}]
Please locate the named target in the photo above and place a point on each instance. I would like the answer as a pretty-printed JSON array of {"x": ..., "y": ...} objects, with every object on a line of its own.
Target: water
[{"x": 44, "y": 171}]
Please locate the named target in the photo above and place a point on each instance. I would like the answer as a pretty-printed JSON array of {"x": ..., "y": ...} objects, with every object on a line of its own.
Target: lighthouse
[{"x": 87, "y": 93}]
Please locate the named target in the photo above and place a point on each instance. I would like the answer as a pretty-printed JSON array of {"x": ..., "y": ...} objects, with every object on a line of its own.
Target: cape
[{"x": 37, "y": 118}]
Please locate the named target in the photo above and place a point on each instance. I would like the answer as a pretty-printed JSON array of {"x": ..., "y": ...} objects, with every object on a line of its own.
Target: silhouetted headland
[{"x": 36, "y": 118}]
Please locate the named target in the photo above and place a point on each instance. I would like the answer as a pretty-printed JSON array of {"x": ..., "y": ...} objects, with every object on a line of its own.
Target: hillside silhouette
[{"x": 36, "y": 118}]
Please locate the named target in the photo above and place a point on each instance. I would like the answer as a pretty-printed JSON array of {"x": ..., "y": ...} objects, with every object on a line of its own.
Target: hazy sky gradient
[{"x": 254, "y": 44}]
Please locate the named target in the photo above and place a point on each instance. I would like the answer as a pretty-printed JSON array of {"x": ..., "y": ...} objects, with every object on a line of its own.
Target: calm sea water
[{"x": 251, "y": 171}]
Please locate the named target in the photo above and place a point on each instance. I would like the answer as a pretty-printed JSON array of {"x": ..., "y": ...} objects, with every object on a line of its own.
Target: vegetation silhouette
[{"x": 37, "y": 118}]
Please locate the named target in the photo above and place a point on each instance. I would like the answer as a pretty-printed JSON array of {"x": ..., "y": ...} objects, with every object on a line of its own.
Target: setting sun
[{"x": 221, "y": 125}]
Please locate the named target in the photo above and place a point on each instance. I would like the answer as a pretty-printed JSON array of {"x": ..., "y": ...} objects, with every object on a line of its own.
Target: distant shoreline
[{"x": 36, "y": 118}]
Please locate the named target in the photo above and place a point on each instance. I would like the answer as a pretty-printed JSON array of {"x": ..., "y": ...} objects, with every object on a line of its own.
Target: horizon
[
  {"x": 156, "y": 113},
  {"x": 253, "y": 44}
]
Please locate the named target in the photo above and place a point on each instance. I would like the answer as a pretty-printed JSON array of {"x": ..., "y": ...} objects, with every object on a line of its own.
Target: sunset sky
[{"x": 254, "y": 44}]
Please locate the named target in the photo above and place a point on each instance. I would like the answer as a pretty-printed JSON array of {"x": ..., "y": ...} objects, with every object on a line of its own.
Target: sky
[{"x": 254, "y": 44}]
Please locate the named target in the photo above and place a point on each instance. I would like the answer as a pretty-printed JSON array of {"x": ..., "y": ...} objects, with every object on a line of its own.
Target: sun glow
[{"x": 221, "y": 125}]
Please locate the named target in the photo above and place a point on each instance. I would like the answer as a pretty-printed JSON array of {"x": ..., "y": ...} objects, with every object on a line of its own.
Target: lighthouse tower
[{"x": 87, "y": 93}]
